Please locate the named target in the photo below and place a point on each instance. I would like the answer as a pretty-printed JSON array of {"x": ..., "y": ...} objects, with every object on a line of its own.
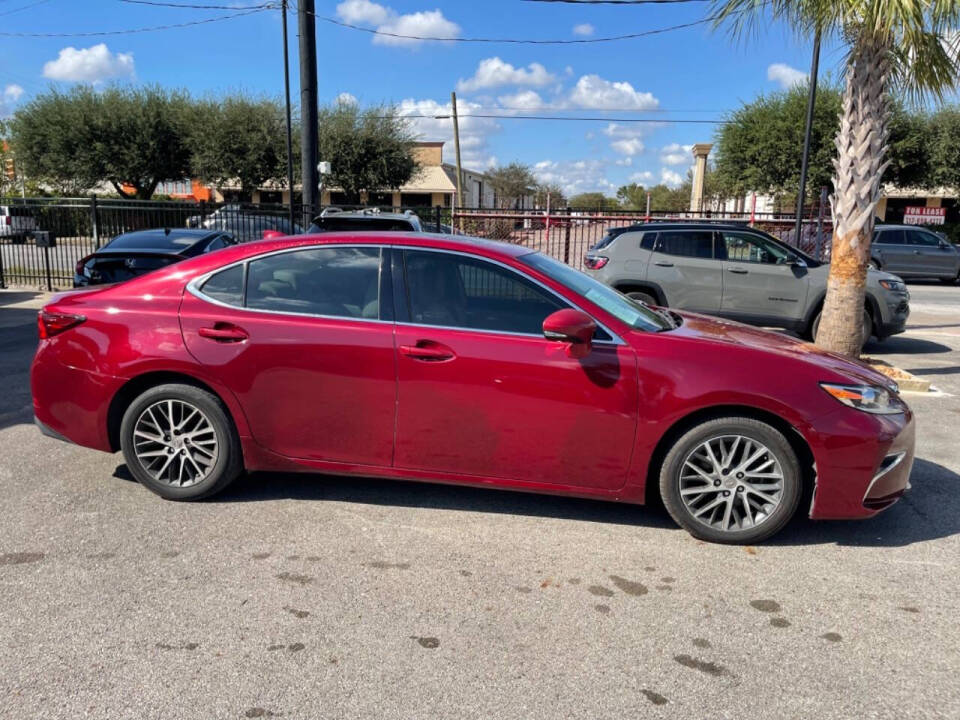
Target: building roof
[{"x": 431, "y": 178}]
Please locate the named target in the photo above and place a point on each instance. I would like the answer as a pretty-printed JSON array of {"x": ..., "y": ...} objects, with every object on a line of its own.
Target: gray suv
[
  {"x": 736, "y": 272},
  {"x": 914, "y": 252}
]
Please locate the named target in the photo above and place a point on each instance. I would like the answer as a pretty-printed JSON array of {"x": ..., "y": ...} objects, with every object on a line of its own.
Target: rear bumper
[{"x": 863, "y": 463}]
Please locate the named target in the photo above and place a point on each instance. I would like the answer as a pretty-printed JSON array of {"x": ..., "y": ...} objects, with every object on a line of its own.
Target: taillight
[
  {"x": 81, "y": 262},
  {"x": 54, "y": 323},
  {"x": 595, "y": 262},
  {"x": 7, "y": 220}
]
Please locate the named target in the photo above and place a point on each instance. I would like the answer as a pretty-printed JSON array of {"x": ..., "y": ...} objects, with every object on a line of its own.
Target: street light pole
[
  {"x": 811, "y": 101},
  {"x": 456, "y": 141},
  {"x": 286, "y": 86},
  {"x": 306, "y": 22}
]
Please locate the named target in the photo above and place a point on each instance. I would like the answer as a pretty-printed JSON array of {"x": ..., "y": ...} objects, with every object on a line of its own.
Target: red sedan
[{"x": 451, "y": 360}]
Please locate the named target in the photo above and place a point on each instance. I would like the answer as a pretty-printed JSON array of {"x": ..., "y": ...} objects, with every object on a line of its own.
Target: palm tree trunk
[{"x": 861, "y": 146}]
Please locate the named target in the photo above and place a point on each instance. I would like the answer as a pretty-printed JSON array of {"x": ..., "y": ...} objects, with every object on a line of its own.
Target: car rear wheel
[
  {"x": 866, "y": 328},
  {"x": 179, "y": 442},
  {"x": 731, "y": 480},
  {"x": 643, "y": 297}
]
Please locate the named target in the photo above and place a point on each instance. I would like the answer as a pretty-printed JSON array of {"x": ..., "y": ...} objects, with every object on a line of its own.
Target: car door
[
  {"x": 683, "y": 266},
  {"x": 760, "y": 279},
  {"x": 304, "y": 339},
  {"x": 930, "y": 257},
  {"x": 891, "y": 248},
  {"x": 482, "y": 393}
]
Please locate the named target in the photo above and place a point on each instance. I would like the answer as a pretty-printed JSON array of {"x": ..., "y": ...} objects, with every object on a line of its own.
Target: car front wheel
[
  {"x": 731, "y": 480},
  {"x": 866, "y": 328},
  {"x": 179, "y": 442},
  {"x": 643, "y": 297}
]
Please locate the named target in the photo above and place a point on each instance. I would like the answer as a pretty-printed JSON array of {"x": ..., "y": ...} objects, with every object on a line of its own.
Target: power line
[
  {"x": 516, "y": 41},
  {"x": 155, "y": 3},
  {"x": 139, "y": 30},
  {"x": 24, "y": 7},
  {"x": 447, "y": 116}
]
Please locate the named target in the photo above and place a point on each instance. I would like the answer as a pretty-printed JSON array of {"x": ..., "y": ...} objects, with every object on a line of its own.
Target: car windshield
[{"x": 620, "y": 306}]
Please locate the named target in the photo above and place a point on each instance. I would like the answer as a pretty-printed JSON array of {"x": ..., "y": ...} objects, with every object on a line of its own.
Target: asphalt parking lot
[{"x": 313, "y": 597}]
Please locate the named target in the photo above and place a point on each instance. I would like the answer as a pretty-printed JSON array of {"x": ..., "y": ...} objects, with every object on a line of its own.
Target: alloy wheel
[
  {"x": 731, "y": 482},
  {"x": 175, "y": 443}
]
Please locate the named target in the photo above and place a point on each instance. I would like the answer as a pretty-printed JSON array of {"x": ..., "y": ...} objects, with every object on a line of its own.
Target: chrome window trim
[
  {"x": 616, "y": 339},
  {"x": 193, "y": 287}
]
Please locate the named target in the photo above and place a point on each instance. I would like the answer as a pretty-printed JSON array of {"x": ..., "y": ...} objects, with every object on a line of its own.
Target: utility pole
[
  {"x": 456, "y": 142},
  {"x": 307, "y": 24},
  {"x": 286, "y": 87},
  {"x": 811, "y": 100}
]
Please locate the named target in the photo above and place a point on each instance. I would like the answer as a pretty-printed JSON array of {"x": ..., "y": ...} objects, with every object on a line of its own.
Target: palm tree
[{"x": 907, "y": 45}]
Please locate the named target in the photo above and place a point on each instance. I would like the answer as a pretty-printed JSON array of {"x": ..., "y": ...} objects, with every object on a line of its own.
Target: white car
[{"x": 16, "y": 221}]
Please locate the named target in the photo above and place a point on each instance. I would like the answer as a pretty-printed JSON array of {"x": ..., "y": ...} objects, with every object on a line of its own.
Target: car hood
[{"x": 714, "y": 330}]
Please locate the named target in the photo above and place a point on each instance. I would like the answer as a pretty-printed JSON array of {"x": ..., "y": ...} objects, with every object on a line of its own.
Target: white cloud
[
  {"x": 630, "y": 146},
  {"x": 624, "y": 162},
  {"x": 592, "y": 91},
  {"x": 346, "y": 98},
  {"x": 427, "y": 23},
  {"x": 583, "y": 29},
  {"x": 9, "y": 97},
  {"x": 494, "y": 72},
  {"x": 644, "y": 178},
  {"x": 93, "y": 65},
  {"x": 670, "y": 178},
  {"x": 576, "y": 176},
  {"x": 474, "y": 131},
  {"x": 364, "y": 12},
  {"x": 523, "y": 100},
  {"x": 675, "y": 154},
  {"x": 785, "y": 75}
]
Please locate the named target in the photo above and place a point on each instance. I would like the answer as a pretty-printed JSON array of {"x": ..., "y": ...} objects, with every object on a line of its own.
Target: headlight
[
  {"x": 893, "y": 285},
  {"x": 869, "y": 398}
]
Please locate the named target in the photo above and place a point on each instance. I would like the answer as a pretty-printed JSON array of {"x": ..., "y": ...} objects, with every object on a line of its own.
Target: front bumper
[
  {"x": 894, "y": 320},
  {"x": 863, "y": 463}
]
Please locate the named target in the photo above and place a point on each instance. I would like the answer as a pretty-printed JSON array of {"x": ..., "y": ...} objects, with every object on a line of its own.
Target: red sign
[{"x": 924, "y": 215}]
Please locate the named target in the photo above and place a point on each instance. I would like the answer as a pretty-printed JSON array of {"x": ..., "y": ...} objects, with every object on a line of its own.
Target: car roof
[{"x": 161, "y": 240}]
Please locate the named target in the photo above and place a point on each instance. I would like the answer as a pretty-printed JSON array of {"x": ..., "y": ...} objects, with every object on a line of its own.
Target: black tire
[
  {"x": 755, "y": 430},
  {"x": 866, "y": 329},
  {"x": 229, "y": 457},
  {"x": 642, "y": 297}
]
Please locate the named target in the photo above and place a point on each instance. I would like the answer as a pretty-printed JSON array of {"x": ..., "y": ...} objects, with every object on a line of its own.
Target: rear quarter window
[{"x": 226, "y": 286}]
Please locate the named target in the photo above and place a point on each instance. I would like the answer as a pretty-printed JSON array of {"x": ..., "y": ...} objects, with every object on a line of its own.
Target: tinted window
[
  {"x": 335, "y": 224},
  {"x": 744, "y": 247},
  {"x": 648, "y": 241},
  {"x": 687, "y": 243},
  {"x": 889, "y": 237},
  {"x": 226, "y": 286},
  {"x": 154, "y": 240},
  {"x": 337, "y": 281},
  {"x": 925, "y": 239},
  {"x": 457, "y": 291},
  {"x": 18, "y": 212}
]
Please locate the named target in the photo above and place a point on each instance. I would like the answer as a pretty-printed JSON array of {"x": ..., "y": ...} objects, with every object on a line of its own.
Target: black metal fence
[{"x": 82, "y": 225}]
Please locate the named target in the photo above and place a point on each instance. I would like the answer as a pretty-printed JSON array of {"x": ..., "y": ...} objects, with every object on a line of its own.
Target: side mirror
[
  {"x": 944, "y": 245},
  {"x": 571, "y": 326},
  {"x": 798, "y": 262}
]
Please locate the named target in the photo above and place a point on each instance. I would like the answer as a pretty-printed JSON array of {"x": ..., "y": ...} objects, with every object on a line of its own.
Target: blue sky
[{"x": 695, "y": 73}]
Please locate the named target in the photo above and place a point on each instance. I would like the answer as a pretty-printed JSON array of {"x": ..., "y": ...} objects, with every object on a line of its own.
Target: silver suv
[
  {"x": 914, "y": 252},
  {"x": 736, "y": 272}
]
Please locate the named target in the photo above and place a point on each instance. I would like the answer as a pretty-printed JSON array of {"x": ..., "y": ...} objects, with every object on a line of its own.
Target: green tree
[
  {"x": 368, "y": 150},
  {"x": 126, "y": 136},
  {"x": 554, "y": 191},
  {"x": 593, "y": 201},
  {"x": 632, "y": 197},
  {"x": 944, "y": 148},
  {"x": 890, "y": 43},
  {"x": 511, "y": 183},
  {"x": 239, "y": 139}
]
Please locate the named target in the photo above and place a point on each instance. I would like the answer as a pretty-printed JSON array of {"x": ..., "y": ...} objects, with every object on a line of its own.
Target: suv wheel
[
  {"x": 866, "y": 329},
  {"x": 731, "y": 480},
  {"x": 179, "y": 442},
  {"x": 643, "y": 297}
]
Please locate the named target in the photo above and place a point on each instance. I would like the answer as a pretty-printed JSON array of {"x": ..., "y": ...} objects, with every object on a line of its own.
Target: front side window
[
  {"x": 452, "y": 290},
  {"x": 922, "y": 239},
  {"x": 687, "y": 243},
  {"x": 743, "y": 247},
  {"x": 889, "y": 237},
  {"x": 334, "y": 281}
]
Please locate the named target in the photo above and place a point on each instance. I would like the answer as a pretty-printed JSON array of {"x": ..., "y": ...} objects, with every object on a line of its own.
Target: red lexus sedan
[{"x": 426, "y": 357}]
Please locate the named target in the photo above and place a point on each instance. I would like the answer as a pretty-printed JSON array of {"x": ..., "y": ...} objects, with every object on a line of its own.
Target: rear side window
[
  {"x": 332, "y": 281},
  {"x": 648, "y": 241},
  {"x": 226, "y": 286},
  {"x": 687, "y": 243},
  {"x": 890, "y": 237}
]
